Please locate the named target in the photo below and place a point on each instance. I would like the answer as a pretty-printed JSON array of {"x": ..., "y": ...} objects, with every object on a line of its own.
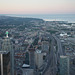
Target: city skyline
[{"x": 37, "y": 6}]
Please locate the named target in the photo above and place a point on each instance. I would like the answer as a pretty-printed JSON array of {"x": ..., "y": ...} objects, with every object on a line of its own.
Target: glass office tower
[
  {"x": 64, "y": 65},
  {"x": 7, "y": 57}
]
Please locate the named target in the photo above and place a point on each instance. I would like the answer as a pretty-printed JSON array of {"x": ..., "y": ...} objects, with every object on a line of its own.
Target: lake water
[{"x": 50, "y": 17}]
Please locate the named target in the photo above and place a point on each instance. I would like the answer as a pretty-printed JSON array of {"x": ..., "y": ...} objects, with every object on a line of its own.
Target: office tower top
[
  {"x": 6, "y": 53},
  {"x": 6, "y": 43},
  {"x": 6, "y": 33}
]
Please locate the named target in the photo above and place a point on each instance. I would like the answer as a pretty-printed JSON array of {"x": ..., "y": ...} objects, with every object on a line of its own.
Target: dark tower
[{"x": 31, "y": 57}]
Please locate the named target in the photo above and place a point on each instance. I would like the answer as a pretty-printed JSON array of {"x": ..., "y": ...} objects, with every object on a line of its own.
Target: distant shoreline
[
  {"x": 47, "y": 17},
  {"x": 52, "y": 20}
]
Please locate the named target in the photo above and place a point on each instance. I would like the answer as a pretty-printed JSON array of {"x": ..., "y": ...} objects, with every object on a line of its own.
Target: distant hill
[{"x": 7, "y": 20}]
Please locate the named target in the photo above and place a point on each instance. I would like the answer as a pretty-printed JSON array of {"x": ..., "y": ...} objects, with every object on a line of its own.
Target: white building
[{"x": 27, "y": 70}]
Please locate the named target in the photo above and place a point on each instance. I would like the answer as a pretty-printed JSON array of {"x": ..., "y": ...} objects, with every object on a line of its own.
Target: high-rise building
[
  {"x": 7, "y": 57},
  {"x": 31, "y": 58},
  {"x": 64, "y": 65},
  {"x": 27, "y": 70},
  {"x": 5, "y": 63},
  {"x": 39, "y": 58}
]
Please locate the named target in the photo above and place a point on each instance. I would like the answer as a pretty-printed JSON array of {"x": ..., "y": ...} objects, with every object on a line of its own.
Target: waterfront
[{"x": 48, "y": 17}]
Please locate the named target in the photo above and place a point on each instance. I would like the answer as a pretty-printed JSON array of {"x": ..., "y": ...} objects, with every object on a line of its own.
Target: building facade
[
  {"x": 64, "y": 65},
  {"x": 39, "y": 58},
  {"x": 7, "y": 57}
]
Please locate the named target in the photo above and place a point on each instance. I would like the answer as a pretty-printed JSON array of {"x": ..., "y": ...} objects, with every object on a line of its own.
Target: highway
[
  {"x": 59, "y": 45},
  {"x": 51, "y": 66}
]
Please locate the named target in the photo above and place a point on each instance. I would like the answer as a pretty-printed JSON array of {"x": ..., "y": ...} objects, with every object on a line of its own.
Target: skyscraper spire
[
  {"x": 7, "y": 48},
  {"x": 7, "y": 34}
]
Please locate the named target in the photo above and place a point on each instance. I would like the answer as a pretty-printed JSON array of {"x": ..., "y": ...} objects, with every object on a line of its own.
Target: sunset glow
[{"x": 37, "y": 6}]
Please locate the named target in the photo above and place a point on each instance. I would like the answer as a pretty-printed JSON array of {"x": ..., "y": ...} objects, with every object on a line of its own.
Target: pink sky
[{"x": 37, "y": 6}]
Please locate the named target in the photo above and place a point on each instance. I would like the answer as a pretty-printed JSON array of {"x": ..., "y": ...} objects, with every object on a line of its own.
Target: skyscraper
[
  {"x": 64, "y": 65},
  {"x": 39, "y": 58},
  {"x": 7, "y": 57},
  {"x": 5, "y": 63}
]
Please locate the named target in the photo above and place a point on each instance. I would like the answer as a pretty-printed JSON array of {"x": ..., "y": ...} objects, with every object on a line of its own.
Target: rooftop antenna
[{"x": 7, "y": 34}]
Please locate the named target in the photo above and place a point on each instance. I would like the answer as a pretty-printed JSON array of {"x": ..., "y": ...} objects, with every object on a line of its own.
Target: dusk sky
[{"x": 37, "y": 6}]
